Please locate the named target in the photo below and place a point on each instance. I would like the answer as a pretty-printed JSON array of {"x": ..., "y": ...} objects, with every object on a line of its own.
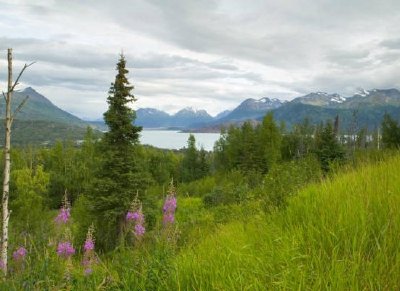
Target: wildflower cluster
[
  {"x": 89, "y": 256},
  {"x": 135, "y": 216},
  {"x": 20, "y": 254},
  {"x": 65, "y": 249},
  {"x": 169, "y": 206},
  {"x": 65, "y": 212}
]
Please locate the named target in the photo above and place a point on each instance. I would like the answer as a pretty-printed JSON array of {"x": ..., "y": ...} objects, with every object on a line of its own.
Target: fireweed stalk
[
  {"x": 170, "y": 231},
  {"x": 169, "y": 207},
  {"x": 135, "y": 218},
  {"x": 89, "y": 256},
  {"x": 19, "y": 257},
  {"x": 65, "y": 211},
  {"x": 65, "y": 249}
]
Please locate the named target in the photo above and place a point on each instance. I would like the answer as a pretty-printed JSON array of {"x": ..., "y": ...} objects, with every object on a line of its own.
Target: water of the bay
[{"x": 170, "y": 139}]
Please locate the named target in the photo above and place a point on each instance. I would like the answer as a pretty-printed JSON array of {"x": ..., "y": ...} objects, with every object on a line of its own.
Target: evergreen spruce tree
[
  {"x": 121, "y": 173},
  {"x": 390, "y": 132},
  {"x": 190, "y": 164},
  {"x": 328, "y": 148}
]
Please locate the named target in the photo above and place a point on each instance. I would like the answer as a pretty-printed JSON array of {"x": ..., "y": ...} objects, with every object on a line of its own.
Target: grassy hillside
[{"x": 339, "y": 235}]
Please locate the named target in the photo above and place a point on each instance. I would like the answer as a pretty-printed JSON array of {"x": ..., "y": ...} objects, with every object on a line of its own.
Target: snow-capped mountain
[{"x": 320, "y": 99}]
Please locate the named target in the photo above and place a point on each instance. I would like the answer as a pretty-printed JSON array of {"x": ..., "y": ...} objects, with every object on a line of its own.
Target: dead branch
[{"x": 19, "y": 76}]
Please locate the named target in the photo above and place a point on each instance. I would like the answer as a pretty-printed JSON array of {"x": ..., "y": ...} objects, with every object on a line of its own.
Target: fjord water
[{"x": 170, "y": 139}]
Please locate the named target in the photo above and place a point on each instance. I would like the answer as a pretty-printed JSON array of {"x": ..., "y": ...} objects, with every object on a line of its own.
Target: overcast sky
[{"x": 201, "y": 53}]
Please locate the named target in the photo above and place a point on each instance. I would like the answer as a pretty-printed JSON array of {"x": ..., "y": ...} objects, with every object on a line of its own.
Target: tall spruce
[
  {"x": 120, "y": 174},
  {"x": 328, "y": 149}
]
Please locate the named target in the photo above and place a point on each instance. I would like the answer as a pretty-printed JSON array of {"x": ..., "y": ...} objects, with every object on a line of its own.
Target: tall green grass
[{"x": 341, "y": 234}]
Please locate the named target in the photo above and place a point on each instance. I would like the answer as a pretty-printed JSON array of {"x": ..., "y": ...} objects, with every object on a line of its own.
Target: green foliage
[
  {"x": 195, "y": 164},
  {"x": 29, "y": 194},
  {"x": 327, "y": 147},
  {"x": 286, "y": 179},
  {"x": 231, "y": 188},
  {"x": 299, "y": 142},
  {"x": 390, "y": 132},
  {"x": 249, "y": 148}
]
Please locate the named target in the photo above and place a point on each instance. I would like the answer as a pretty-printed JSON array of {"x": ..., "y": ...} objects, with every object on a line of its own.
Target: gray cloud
[
  {"x": 391, "y": 43},
  {"x": 209, "y": 53}
]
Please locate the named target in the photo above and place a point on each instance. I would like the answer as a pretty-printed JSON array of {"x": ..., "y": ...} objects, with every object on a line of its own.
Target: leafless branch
[
  {"x": 4, "y": 95},
  {"x": 19, "y": 75},
  {"x": 18, "y": 109}
]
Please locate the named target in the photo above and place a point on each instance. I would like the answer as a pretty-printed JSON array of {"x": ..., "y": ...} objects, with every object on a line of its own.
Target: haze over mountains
[{"x": 365, "y": 107}]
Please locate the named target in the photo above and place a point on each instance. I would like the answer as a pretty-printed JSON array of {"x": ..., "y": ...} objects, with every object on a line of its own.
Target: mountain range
[
  {"x": 41, "y": 122},
  {"x": 366, "y": 108}
]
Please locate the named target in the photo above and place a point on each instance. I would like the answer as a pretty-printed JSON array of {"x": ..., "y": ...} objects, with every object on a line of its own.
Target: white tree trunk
[{"x": 7, "y": 165}]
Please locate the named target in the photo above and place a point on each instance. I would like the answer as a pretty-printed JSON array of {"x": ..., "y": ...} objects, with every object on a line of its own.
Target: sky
[{"x": 205, "y": 54}]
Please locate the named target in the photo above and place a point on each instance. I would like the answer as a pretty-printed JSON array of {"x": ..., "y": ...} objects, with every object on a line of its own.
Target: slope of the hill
[
  {"x": 342, "y": 234},
  {"x": 40, "y": 121}
]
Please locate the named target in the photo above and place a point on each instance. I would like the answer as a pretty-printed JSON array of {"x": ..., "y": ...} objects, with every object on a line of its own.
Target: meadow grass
[{"x": 340, "y": 234}]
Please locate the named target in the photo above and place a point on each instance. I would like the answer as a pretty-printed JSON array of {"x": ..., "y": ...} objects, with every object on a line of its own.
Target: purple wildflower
[
  {"x": 169, "y": 204},
  {"x": 168, "y": 218},
  {"x": 89, "y": 257},
  {"x": 139, "y": 230},
  {"x": 63, "y": 216},
  {"x": 169, "y": 207},
  {"x": 136, "y": 218},
  {"x": 89, "y": 245},
  {"x": 65, "y": 249},
  {"x": 130, "y": 216},
  {"x": 20, "y": 254}
]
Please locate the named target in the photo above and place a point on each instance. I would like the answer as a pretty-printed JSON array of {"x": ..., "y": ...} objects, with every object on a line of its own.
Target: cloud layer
[{"x": 203, "y": 53}]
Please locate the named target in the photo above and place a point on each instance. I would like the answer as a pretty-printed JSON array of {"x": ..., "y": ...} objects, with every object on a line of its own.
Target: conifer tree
[
  {"x": 390, "y": 132},
  {"x": 121, "y": 174},
  {"x": 328, "y": 148},
  {"x": 190, "y": 161}
]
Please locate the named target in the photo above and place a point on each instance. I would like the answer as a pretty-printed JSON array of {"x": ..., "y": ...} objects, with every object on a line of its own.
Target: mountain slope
[
  {"x": 252, "y": 109},
  {"x": 40, "y": 121},
  {"x": 39, "y": 107},
  {"x": 367, "y": 116}
]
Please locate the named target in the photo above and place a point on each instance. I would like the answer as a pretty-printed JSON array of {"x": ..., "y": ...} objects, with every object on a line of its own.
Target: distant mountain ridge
[
  {"x": 369, "y": 105},
  {"x": 187, "y": 117}
]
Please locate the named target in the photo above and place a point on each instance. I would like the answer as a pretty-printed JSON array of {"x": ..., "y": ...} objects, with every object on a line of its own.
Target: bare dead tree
[{"x": 7, "y": 159}]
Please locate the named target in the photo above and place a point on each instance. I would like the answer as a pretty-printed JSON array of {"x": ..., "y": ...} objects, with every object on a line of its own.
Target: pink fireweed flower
[
  {"x": 63, "y": 216},
  {"x": 130, "y": 216},
  {"x": 89, "y": 245},
  {"x": 169, "y": 207},
  {"x": 139, "y": 230},
  {"x": 89, "y": 257},
  {"x": 65, "y": 249},
  {"x": 20, "y": 254},
  {"x": 169, "y": 204},
  {"x": 168, "y": 218}
]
